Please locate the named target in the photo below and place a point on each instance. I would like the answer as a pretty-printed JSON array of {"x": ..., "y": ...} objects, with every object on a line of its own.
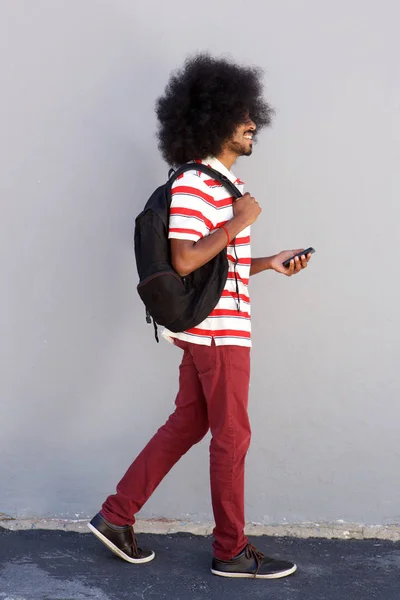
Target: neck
[{"x": 228, "y": 158}]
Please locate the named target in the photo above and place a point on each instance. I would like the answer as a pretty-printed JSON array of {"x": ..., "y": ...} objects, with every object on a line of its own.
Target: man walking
[{"x": 210, "y": 112}]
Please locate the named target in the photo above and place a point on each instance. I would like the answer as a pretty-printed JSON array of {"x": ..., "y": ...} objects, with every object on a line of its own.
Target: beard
[{"x": 240, "y": 149}]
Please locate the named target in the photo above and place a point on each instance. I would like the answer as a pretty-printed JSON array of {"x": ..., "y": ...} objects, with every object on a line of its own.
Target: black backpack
[{"x": 170, "y": 300}]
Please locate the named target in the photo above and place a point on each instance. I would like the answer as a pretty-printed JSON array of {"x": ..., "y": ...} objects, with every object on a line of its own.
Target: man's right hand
[{"x": 247, "y": 209}]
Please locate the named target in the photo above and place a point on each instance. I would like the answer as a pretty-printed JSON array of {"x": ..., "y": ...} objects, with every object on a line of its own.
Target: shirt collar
[{"x": 216, "y": 164}]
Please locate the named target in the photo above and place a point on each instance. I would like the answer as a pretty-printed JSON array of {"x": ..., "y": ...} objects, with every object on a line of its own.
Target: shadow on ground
[{"x": 53, "y": 565}]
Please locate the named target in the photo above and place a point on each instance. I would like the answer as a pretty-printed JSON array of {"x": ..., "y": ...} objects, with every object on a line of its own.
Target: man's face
[{"x": 241, "y": 142}]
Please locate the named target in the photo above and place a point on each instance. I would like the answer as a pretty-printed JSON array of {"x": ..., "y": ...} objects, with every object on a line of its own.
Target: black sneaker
[
  {"x": 252, "y": 563},
  {"x": 121, "y": 541}
]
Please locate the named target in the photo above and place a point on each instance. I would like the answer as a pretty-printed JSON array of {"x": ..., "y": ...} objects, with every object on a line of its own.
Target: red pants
[{"x": 213, "y": 393}]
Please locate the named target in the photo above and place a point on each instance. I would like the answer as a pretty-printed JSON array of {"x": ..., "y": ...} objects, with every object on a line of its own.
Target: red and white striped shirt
[{"x": 200, "y": 206}]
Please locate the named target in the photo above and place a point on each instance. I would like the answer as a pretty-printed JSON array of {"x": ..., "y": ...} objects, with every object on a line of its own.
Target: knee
[
  {"x": 191, "y": 430},
  {"x": 242, "y": 439},
  {"x": 238, "y": 438},
  {"x": 245, "y": 441}
]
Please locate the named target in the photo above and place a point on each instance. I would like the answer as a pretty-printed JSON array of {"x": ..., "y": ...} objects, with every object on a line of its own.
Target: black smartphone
[{"x": 286, "y": 264}]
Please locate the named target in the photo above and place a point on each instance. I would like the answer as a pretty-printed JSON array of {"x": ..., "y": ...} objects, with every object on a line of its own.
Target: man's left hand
[{"x": 296, "y": 265}]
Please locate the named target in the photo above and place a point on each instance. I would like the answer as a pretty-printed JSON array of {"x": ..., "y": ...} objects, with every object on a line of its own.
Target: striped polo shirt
[{"x": 200, "y": 206}]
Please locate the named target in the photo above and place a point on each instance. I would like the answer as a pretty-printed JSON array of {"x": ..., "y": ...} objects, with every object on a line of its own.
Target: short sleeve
[{"x": 193, "y": 214}]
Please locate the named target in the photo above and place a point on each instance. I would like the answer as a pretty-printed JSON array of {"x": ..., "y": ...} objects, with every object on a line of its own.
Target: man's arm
[
  {"x": 260, "y": 264},
  {"x": 187, "y": 256},
  {"x": 274, "y": 263}
]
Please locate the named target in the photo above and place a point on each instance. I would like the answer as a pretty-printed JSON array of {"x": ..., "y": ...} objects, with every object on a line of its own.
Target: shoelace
[
  {"x": 134, "y": 544},
  {"x": 253, "y": 552}
]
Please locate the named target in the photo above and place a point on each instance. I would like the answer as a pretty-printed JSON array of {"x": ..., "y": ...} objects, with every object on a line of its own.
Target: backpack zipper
[{"x": 151, "y": 277}]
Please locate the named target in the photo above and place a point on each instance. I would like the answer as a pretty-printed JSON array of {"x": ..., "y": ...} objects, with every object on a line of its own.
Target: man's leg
[
  {"x": 224, "y": 372},
  {"x": 184, "y": 428}
]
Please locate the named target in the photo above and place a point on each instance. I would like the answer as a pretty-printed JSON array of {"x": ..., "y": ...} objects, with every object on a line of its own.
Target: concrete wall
[{"x": 83, "y": 384}]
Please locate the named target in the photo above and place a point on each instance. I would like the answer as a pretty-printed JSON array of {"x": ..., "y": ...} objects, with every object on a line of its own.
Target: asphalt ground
[{"x": 56, "y": 565}]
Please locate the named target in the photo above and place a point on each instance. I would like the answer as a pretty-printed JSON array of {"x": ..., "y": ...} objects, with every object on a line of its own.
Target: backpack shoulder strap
[{"x": 231, "y": 187}]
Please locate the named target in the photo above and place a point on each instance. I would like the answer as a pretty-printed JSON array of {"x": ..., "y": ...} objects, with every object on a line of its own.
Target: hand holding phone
[{"x": 286, "y": 263}]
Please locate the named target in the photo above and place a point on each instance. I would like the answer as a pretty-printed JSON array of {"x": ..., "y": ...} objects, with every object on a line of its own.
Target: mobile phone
[{"x": 286, "y": 264}]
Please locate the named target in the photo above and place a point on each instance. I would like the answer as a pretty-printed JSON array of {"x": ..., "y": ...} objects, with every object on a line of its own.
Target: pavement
[{"x": 56, "y": 565}]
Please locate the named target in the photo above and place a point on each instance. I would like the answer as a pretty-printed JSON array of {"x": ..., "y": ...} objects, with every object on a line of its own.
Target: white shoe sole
[
  {"x": 258, "y": 576},
  {"x": 117, "y": 551}
]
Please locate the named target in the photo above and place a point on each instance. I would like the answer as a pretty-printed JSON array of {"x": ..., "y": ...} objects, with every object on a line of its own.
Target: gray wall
[{"x": 83, "y": 384}]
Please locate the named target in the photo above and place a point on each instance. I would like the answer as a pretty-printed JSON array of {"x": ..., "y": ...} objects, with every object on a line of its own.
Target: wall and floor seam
[{"x": 335, "y": 530}]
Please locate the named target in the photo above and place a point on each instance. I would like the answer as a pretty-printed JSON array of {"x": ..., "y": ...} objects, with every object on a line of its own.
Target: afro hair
[{"x": 203, "y": 104}]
